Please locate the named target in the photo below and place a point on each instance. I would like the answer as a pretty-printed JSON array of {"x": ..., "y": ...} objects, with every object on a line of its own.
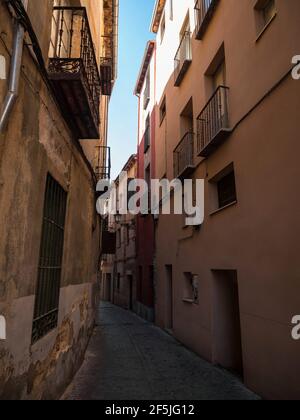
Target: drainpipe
[{"x": 15, "y": 71}]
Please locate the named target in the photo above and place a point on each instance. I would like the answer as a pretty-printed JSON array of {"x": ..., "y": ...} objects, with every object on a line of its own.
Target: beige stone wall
[{"x": 37, "y": 142}]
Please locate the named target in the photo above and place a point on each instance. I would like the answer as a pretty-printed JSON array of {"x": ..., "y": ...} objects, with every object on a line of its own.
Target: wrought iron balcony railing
[
  {"x": 183, "y": 58},
  {"x": 103, "y": 162},
  {"x": 73, "y": 70},
  {"x": 184, "y": 163},
  {"x": 204, "y": 10},
  {"x": 213, "y": 123}
]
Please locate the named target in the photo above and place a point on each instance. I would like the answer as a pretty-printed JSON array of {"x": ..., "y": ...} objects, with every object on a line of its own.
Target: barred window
[{"x": 50, "y": 263}]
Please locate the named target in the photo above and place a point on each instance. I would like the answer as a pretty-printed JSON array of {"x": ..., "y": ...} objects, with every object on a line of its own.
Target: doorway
[
  {"x": 227, "y": 340},
  {"x": 169, "y": 297}
]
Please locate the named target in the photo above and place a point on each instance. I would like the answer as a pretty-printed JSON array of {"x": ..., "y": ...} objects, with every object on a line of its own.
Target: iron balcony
[
  {"x": 73, "y": 71},
  {"x": 204, "y": 10},
  {"x": 184, "y": 163},
  {"x": 183, "y": 58},
  {"x": 213, "y": 123}
]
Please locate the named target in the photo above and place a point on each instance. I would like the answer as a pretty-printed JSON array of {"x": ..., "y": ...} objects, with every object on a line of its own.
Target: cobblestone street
[{"x": 129, "y": 359}]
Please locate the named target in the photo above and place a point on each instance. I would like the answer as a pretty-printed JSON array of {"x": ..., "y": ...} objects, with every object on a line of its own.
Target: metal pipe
[{"x": 15, "y": 71}]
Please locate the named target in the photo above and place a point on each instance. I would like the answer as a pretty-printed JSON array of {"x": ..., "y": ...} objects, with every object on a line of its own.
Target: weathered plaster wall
[{"x": 37, "y": 142}]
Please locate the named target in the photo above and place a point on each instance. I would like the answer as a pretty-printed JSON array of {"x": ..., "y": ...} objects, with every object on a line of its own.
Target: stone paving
[{"x": 130, "y": 359}]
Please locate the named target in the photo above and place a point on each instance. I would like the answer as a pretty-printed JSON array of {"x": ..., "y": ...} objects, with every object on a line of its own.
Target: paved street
[{"x": 130, "y": 359}]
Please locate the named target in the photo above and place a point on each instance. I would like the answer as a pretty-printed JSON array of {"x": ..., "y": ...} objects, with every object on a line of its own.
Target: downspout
[{"x": 15, "y": 71}]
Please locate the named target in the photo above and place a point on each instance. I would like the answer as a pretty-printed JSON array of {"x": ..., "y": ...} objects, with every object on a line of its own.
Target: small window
[
  {"x": 163, "y": 110},
  {"x": 191, "y": 288},
  {"x": 147, "y": 90},
  {"x": 227, "y": 190},
  {"x": 266, "y": 10},
  {"x": 162, "y": 28},
  {"x": 147, "y": 136},
  {"x": 222, "y": 190}
]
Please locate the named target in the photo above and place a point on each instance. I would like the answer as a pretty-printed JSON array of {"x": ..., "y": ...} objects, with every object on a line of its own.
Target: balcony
[
  {"x": 102, "y": 165},
  {"x": 183, "y": 58},
  {"x": 73, "y": 71},
  {"x": 204, "y": 10},
  {"x": 106, "y": 75},
  {"x": 184, "y": 163},
  {"x": 213, "y": 123}
]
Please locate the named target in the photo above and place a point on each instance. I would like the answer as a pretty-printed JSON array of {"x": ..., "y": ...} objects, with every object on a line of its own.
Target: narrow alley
[{"x": 130, "y": 359}]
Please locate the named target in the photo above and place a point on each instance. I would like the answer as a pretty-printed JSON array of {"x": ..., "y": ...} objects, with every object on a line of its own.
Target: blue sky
[{"x": 135, "y": 17}]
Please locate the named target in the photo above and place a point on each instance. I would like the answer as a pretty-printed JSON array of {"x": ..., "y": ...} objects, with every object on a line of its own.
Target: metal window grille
[{"x": 50, "y": 263}]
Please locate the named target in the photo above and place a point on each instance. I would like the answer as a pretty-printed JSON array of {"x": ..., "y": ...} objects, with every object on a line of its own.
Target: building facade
[
  {"x": 226, "y": 111},
  {"x": 145, "y": 91},
  {"x": 54, "y": 102},
  {"x": 119, "y": 283}
]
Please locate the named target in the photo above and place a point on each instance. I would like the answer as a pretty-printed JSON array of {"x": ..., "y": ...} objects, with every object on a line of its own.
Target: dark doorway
[
  {"x": 227, "y": 342},
  {"x": 169, "y": 297}
]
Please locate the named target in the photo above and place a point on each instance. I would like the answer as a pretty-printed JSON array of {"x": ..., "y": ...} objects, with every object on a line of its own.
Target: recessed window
[
  {"x": 147, "y": 90},
  {"x": 226, "y": 190},
  {"x": 222, "y": 189},
  {"x": 50, "y": 263},
  {"x": 266, "y": 10},
  {"x": 147, "y": 136},
  {"x": 163, "y": 110},
  {"x": 190, "y": 288}
]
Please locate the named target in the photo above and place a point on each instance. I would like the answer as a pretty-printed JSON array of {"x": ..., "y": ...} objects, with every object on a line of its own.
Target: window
[
  {"x": 226, "y": 190},
  {"x": 162, "y": 28},
  {"x": 50, "y": 262},
  {"x": 163, "y": 110},
  {"x": 190, "y": 290},
  {"x": 147, "y": 90},
  {"x": 222, "y": 190},
  {"x": 219, "y": 76},
  {"x": 266, "y": 10},
  {"x": 147, "y": 139}
]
